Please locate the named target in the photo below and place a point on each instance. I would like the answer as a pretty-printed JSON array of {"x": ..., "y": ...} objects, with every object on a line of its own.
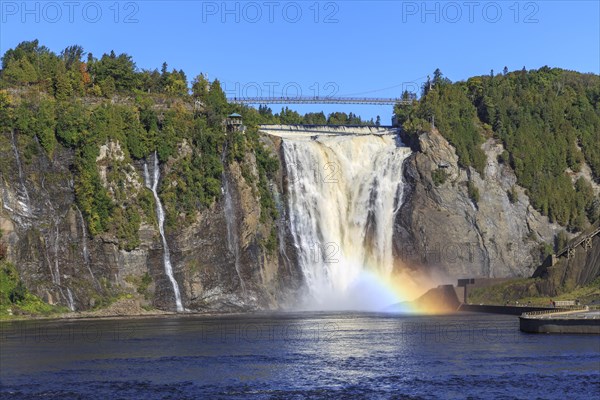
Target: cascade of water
[
  {"x": 56, "y": 269},
  {"x": 56, "y": 278},
  {"x": 281, "y": 233},
  {"x": 25, "y": 203},
  {"x": 70, "y": 301},
  {"x": 160, "y": 214},
  {"x": 47, "y": 257},
  {"x": 86, "y": 254},
  {"x": 147, "y": 180},
  {"x": 233, "y": 244},
  {"x": 343, "y": 194}
]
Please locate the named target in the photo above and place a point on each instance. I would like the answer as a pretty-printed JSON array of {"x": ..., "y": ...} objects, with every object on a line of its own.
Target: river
[{"x": 295, "y": 355}]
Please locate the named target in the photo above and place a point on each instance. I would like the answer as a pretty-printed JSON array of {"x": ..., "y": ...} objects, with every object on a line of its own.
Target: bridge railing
[{"x": 318, "y": 100}]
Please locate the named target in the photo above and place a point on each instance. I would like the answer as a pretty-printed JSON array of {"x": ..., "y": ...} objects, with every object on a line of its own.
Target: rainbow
[{"x": 375, "y": 292}]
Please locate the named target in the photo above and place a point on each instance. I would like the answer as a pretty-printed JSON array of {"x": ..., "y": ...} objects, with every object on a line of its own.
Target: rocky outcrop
[
  {"x": 220, "y": 259},
  {"x": 213, "y": 278},
  {"x": 444, "y": 229},
  {"x": 60, "y": 261}
]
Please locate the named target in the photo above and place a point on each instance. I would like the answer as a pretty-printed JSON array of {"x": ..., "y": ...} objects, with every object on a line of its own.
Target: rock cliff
[
  {"x": 452, "y": 222},
  {"x": 57, "y": 258},
  {"x": 446, "y": 229}
]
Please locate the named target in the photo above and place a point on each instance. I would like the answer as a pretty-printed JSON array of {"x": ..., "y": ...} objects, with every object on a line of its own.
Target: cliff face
[
  {"x": 222, "y": 263},
  {"x": 220, "y": 258},
  {"x": 446, "y": 229},
  {"x": 58, "y": 259}
]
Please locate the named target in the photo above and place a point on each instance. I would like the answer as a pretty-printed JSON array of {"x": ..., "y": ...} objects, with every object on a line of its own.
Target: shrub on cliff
[
  {"x": 473, "y": 192},
  {"x": 439, "y": 176},
  {"x": 15, "y": 297}
]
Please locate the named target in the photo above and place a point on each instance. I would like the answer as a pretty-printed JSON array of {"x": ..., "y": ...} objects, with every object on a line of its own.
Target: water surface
[{"x": 304, "y": 355}]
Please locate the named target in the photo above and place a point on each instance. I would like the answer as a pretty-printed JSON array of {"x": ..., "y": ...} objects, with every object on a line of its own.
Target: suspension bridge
[{"x": 319, "y": 100}]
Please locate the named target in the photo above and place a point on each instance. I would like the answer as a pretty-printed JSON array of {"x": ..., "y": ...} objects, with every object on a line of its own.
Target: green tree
[
  {"x": 176, "y": 84},
  {"x": 200, "y": 87},
  {"x": 20, "y": 71},
  {"x": 120, "y": 68},
  {"x": 62, "y": 85},
  {"x": 108, "y": 87},
  {"x": 71, "y": 123}
]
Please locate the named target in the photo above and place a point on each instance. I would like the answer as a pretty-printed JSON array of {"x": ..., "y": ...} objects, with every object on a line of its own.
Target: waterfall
[
  {"x": 343, "y": 194},
  {"x": 70, "y": 301},
  {"x": 86, "y": 254},
  {"x": 56, "y": 278},
  {"x": 233, "y": 240},
  {"x": 25, "y": 202},
  {"x": 56, "y": 269},
  {"x": 281, "y": 230},
  {"x": 47, "y": 257},
  {"x": 147, "y": 179},
  {"x": 160, "y": 214}
]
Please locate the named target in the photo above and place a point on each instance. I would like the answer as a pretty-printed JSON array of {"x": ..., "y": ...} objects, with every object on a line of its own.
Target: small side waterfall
[
  {"x": 56, "y": 269},
  {"x": 55, "y": 273},
  {"x": 24, "y": 200},
  {"x": 147, "y": 179},
  {"x": 86, "y": 254},
  {"x": 160, "y": 214},
  {"x": 47, "y": 257},
  {"x": 70, "y": 301},
  {"x": 343, "y": 194},
  {"x": 233, "y": 240}
]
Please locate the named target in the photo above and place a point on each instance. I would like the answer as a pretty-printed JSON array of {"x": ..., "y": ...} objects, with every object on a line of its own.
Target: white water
[
  {"x": 56, "y": 276},
  {"x": 344, "y": 192},
  {"x": 25, "y": 202},
  {"x": 70, "y": 301},
  {"x": 160, "y": 214},
  {"x": 86, "y": 254},
  {"x": 323, "y": 130},
  {"x": 147, "y": 179}
]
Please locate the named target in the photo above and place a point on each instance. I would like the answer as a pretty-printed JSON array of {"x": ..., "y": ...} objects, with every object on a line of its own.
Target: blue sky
[{"x": 363, "y": 48}]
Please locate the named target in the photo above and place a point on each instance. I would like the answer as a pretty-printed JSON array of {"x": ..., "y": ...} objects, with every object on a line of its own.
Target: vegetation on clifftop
[
  {"x": 107, "y": 107},
  {"x": 548, "y": 121}
]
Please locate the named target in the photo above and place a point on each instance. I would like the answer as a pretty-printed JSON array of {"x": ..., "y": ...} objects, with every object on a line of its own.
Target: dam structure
[
  {"x": 344, "y": 188},
  {"x": 308, "y": 131}
]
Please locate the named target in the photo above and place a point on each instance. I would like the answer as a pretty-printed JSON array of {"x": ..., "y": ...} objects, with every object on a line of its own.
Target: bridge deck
[
  {"x": 326, "y": 130},
  {"x": 318, "y": 100}
]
